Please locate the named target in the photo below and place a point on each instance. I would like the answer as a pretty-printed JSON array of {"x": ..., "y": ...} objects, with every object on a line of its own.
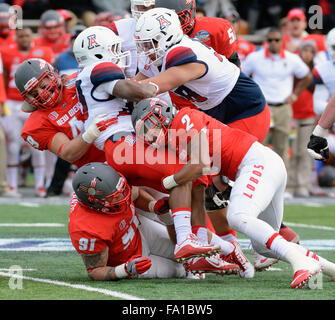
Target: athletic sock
[{"x": 182, "y": 223}]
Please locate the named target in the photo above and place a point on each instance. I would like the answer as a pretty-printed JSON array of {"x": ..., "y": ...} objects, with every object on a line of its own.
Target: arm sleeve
[{"x": 320, "y": 98}]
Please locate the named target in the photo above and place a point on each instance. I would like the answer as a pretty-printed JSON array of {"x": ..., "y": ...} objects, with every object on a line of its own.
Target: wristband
[
  {"x": 156, "y": 86},
  {"x": 87, "y": 137},
  {"x": 320, "y": 132},
  {"x": 120, "y": 271},
  {"x": 169, "y": 182}
]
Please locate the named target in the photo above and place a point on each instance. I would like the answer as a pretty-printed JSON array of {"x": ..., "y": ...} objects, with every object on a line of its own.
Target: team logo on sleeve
[
  {"x": 163, "y": 22},
  {"x": 92, "y": 43}
]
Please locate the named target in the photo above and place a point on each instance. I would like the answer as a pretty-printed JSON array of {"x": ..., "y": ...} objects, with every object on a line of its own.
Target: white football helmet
[
  {"x": 156, "y": 31},
  {"x": 99, "y": 44},
  {"x": 136, "y": 13},
  {"x": 330, "y": 41}
]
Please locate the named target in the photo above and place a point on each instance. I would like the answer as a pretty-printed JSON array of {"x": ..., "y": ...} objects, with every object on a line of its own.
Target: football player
[
  {"x": 12, "y": 57},
  {"x": 52, "y": 32},
  {"x": 324, "y": 102},
  {"x": 259, "y": 175},
  {"x": 99, "y": 55},
  {"x": 112, "y": 239},
  {"x": 7, "y": 36}
]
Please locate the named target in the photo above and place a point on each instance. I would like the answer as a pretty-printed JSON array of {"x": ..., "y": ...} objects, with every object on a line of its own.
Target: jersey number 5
[{"x": 231, "y": 35}]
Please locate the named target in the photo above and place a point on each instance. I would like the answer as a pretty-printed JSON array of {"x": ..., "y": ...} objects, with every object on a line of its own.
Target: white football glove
[
  {"x": 318, "y": 145},
  {"x": 98, "y": 125}
]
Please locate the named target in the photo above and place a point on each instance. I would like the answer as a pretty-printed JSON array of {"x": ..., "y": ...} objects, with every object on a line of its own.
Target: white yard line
[
  {"x": 309, "y": 226},
  {"x": 74, "y": 286},
  {"x": 32, "y": 225}
]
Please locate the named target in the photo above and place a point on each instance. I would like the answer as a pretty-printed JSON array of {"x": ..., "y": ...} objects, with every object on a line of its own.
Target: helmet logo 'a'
[
  {"x": 92, "y": 43},
  {"x": 163, "y": 22}
]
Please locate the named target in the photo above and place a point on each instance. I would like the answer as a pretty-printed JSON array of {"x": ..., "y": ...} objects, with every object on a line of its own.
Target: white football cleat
[
  {"x": 237, "y": 256},
  {"x": 303, "y": 271},
  {"x": 192, "y": 247},
  {"x": 262, "y": 263}
]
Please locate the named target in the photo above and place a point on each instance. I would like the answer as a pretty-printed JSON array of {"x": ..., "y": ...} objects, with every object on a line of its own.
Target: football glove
[
  {"x": 99, "y": 124},
  {"x": 215, "y": 199},
  {"x": 317, "y": 146},
  {"x": 137, "y": 265},
  {"x": 161, "y": 206}
]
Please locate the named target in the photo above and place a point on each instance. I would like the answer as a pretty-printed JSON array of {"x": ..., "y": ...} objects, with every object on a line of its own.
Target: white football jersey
[
  {"x": 208, "y": 91},
  {"x": 324, "y": 73},
  {"x": 99, "y": 102},
  {"x": 126, "y": 30}
]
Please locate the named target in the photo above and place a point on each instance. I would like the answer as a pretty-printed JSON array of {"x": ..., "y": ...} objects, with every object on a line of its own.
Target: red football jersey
[
  {"x": 8, "y": 42},
  {"x": 12, "y": 58},
  {"x": 57, "y": 47},
  {"x": 92, "y": 231},
  {"x": 67, "y": 117},
  {"x": 227, "y": 145},
  {"x": 217, "y": 33},
  {"x": 319, "y": 39}
]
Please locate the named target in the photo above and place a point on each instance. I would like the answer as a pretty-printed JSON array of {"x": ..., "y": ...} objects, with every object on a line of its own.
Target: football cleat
[
  {"x": 191, "y": 247},
  {"x": 237, "y": 256},
  {"x": 195, "y": 276},
  {"x": 301, "y": 276},
  {"x": 212, "y": 264},
  {"x": 262, "y": 263},
  {"x": 289, "y": 235}
]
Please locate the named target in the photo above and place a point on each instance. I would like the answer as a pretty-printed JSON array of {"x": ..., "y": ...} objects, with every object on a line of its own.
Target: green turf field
[{"x": 52, "y": 274}]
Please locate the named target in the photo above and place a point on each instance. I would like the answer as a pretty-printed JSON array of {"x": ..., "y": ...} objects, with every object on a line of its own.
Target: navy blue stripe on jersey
[
  {"x": 179, "y": 56},
  {"x": 106, "y": 72},
  {"x": 244, "y": 101},
  {"x": 316, "y": 77}
]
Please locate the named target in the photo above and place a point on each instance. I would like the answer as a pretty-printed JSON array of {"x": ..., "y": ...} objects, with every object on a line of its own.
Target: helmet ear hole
[{"x": 99, "y": 56}]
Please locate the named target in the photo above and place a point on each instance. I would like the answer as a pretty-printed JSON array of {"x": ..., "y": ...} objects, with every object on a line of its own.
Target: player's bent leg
[{"x": 164, "y": 268}]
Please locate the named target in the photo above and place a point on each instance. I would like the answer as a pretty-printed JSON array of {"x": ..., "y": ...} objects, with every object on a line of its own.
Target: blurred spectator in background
[
  {"x": 12, "y": 58},
  {"x": 299, "y": 180},
  {"x": 70, "y": 19},
  {"x": 284, "y": 27},
  {"x": 4, "y": 190},
  {"x": 7, "y": 36},
  {"x": 52, "y": 32},
  {"x": 297, "y": 25},
  {"x": 274, "y": 68},
  {"x": 215, "y": 8},
  {"x": 105, "y": 19},
  {"x": 243, "y": 47},
  {"x": 32, "y": 9},
  {"x": 117, "y": 7}
]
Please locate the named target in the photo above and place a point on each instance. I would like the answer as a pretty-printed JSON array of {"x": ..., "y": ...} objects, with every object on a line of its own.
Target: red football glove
[
  {"x": 137, "y": 265},
  {"x": 162, "y": 206}
]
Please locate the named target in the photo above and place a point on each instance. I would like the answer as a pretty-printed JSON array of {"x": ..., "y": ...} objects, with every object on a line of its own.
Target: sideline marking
[
  {"x": 74, "y": 286},
  {"x": 309, "y": 226},
  {"x": 32, "y": 224}
]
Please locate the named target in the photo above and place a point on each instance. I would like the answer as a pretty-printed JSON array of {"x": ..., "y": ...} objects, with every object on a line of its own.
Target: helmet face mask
[
  {"x": 100, "y": 44},
  {"x": 100, "y": 187},
  {"x": 157, "y": 30},
  {"x": 42, "y": 88},
  {"x": 152, "y": 121}
]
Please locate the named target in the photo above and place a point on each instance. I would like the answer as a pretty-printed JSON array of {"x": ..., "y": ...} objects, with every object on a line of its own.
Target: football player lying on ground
[
  {"x": 112, "y": 239},
  {"x": 256, "y": 201}
]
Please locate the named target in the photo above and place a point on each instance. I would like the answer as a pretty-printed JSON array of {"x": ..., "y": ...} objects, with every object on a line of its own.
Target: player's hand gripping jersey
[{"x": 68, "y": 117}]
